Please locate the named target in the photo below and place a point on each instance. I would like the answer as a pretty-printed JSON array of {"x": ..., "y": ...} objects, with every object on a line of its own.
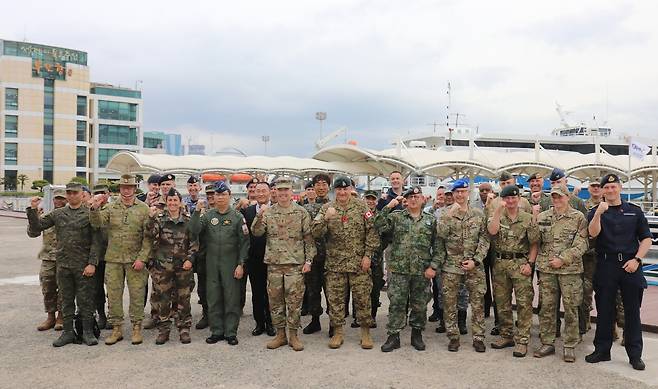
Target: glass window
[
  {"x": 11, "y": 126},
  {"x": 81, "y": 131},
  {"x": 11, "y": 153},
  {"x": 81, "y": 156},
  {"x": 115, "y": 110},
  {"x": 11, "y": 99},
  {"x": 11, "y": 179},
  {"x": 104, "y": 155},
  {"x": 81, "y": 175},
  {"x": 117, "y": 135},
  {"x": 82, "y": 106}
]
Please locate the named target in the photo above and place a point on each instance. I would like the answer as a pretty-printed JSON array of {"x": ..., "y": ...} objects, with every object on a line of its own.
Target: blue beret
[
  {"x": 221, "y": 187},
  {"x": 460, "y": 184},
  {"x": 556, "y": 174}
]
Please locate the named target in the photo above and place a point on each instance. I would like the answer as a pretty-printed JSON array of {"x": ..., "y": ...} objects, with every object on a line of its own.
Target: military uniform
[
  {"x": 173, "y": 244},
  {"x": 52, "y": 301},
  {"x": 314, "y": 279}
]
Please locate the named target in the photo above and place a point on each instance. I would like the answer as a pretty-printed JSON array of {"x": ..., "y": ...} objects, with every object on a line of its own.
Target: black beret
[
  {"x": 252, "y": 181},
  {"x": 308, "y": 185},
  {"x": 153, "y": 179},
  {"x": 556, "y": 174},
  {"x": 412, "y": 191},
  {"x": 173, "y": 192},
  {"x": 192, "y": 180},
  {"x": 342, "y": 182},
  {"x": 504, "y": 176},
  {"x": 167, "y": 177},
  {"x": 609, "y": 179},
  {"x": 535, "y": 176},
  {"x": 509, "y": 190}
]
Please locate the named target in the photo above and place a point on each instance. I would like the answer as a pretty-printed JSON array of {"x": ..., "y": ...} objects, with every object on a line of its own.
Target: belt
[
  {"x": 617, "y": 256},
  {"x": 511, "y": 255}
]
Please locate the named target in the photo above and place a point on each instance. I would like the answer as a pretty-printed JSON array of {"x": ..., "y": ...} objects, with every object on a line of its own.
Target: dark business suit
[{"x": 257, "y": 271}]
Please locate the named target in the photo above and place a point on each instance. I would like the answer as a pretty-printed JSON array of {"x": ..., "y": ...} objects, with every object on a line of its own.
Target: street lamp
[
  {"x": 321, "y": 116},
  {"x": 265, "y": 138}
]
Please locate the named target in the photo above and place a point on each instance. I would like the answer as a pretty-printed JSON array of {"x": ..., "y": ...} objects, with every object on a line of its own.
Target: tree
[
  {"x": 80, "y": 180},
  {"x": 139, "y": 178},
  {"x": 39, "y": 184},
  {"x": 22, "y": 178}
]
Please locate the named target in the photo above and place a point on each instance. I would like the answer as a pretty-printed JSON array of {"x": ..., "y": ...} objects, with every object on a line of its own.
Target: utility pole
[{"x": 265, "y": 138}]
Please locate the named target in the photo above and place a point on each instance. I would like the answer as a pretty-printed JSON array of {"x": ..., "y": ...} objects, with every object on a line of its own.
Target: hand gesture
[
  {"x": 526, "y": 269},
  {"x": 603, "y": 206},
  {"x": 535, "y": 196},
  {"x": 555, "y": 263},
  {"x": 392, "y": 204},
  {"x": 151, "y": 197},
  {"x": 263, "y": 209},
  {"x": 306, "y": 268},
  {"x": 187, "y": 265},
  {"x": 490, "y": 197},
  {"x": 34, "y": 202},
  {"x": 535, "y": 209},
  {"x": 631, "y": 266},
  {"x": 153, "y": 211},
  {"x": 242, "y": 203},
  {"x": 331, "y": 213},
  {"x": 201, "y": 205},
  {"x": 97, "y": 200}
]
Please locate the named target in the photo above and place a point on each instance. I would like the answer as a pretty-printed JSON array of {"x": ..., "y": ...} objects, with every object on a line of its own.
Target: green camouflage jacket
[
  {"x": 465, "y": 236},
  {"x": 562, "y": 236}
]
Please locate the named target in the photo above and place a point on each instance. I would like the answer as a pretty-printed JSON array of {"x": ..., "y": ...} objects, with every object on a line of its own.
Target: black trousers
[
  {"x": 99, "y": 277},
  {"x": 608, "y": 278},
  {"x": 489, "y": 301},
  {"x": 259, "y": 299}
]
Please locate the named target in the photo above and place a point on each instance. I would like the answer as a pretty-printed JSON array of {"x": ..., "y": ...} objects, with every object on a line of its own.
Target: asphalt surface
[{"x": 28, "y": 359}]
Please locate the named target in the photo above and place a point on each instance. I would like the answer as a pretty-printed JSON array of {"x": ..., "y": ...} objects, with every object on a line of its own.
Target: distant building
[
  {"x": 196, "y": 150},
  {"x": 174, "y": 144},
  {"x": 154, "y": 142}
]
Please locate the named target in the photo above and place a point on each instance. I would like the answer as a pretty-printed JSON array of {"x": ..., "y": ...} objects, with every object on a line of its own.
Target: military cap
[
  {"x": 254, "y": 180},
  {"x": 509, "y": 190},
  {"x": 558, "y": 190},
  {"x": 460, "y": 184},
  {"x": 167, "y": 177},
  {"x": 210, "y": 189},
  {"x": 174, "y": 192},
  {"x": 609, "y": 179},
  {"x": 283, "y": 183},
  {"x": 221, "y": 187},
  {"x": 370, "y": 193},
  {"x": 127, "y": 179},
  {"x": 594, "y": 183},
  {"x": 535, "y": 176},
  {"x": 308, "y": 185},
  {"x": 342, "y": 182},
  {"x": 153, "y": 179},
  {"x": 556, "y": 174},
  {"x": 273, "y": 183},
  {"x": 59, "y": 193},
  {"x": 192, "y": 180},
  {"x": 504, "y": 176},
  {"x": 412, "y": 191},
  {"x": 85, "y": 188},
  {"x": 321, "y": 177},
  {"x": 74, "y": 187},
  {"x": 101, "y": 188}
]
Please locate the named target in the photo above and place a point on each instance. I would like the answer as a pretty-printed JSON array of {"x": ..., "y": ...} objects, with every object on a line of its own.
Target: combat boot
[
  {"x": 116, "y": 335},
  {"x": 102, "y": 319},
  {"x": 137, "y": 337},
  {"x": 461, "y": 322},
  {"x": 184, "y": 336},
  {"x": 569, "y": 355},
  {"x": 48, "y": 323},
  {"x": 313, "y": 326},
  {"x": 520, "y": 350},
  {"x": 163, "y": 337},
  {"x": 65, "y": 338},
  {"x": 150, "y": 323},
  {"x": 279, "y": 340},
  {"x": 479, "y": 346},
  {"x": 337, "y": 340},
  {"x": 544, "y": 350},
  {"x": 417, "y": 339},
  {"x": 502, "y": 343},
  {"x": 88, "y": 336},
  {"x": 453, "y": 345},
  {"x": 203, "y": 323},
  {"x": 366, "y": 340},
  {"x": 391, "y": 343},
  {"x": 59, "y": 322},
  {"x": 294, "y": 341}
]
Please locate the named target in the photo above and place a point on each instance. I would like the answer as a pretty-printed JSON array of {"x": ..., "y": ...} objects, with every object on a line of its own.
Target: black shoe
[
  {"x": 260, "y": 328},
  {"x": 304, "y": 312},
  {"x": 461, "y": 322},
  {"x": 232, "y": 340},
  {"x": 433, "y": 317},
  {"x": 417, "y": 339},
  {"x": 638, "y": 364},
  {"x": 391, "y": 343},
  {"x": 558, "y": 332},
  {"x": 373, "y": 324},
  {"x": 269, "y": 330},
  {"x": 88, "y": 336},
  {"x": 313, "y": 326},
  {"x": 495, "y": 331},
  {"x": 65, "y": 338},
  {"x": 202, "y": 324},
  {"x": 354, "y": 324},
  {"x": 212, "y": 339},
  {"x": 102, "y": 320},
  {"x": 596, "y": 357},
  {"x": 331, "y": 331},
  {"x": 441, "y": 329}
]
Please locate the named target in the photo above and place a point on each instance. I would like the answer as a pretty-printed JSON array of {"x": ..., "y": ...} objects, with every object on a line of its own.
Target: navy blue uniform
[
  {"x": 390, "y": 195},
  {"x": 622, "y": 228}
]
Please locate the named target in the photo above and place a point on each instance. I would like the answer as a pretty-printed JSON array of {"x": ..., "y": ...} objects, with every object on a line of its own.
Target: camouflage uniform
[
  {"x": 511, "y": 245},
  {"x": 462, "y": 297},
  {"x": 76, "y": 249},
  {"x": 127, "y": 242},
  {"x": 173, "y": 244},
  {"x": 565, "y": 237},
  {"x": 52, "y": 300},
  {"x": 349, "y": 237},
  {"x": 465, "y": 236},
  {"x": 99, "y": 276},
  {"x": 289, "y": 245},
  {"x": 415, "y": 247},
  {"x": 314, "y": 279}
]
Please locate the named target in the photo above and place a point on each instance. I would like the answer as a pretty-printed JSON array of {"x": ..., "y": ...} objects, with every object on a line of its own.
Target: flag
[{"x": 638, "y": 150}]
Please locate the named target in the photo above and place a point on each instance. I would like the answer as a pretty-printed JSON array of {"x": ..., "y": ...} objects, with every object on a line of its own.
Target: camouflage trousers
[
  {"x": 476, "y": 285},
  {"x": 337, "y": 285},
  {"x": 585, "y": 309},
  {"x": 285, "y": 291},
  {"x": 156, "y": 298},
  {"x": 75, "y": 288},
  {"x": 462, "y": 298},
  {"x": 507, "y": 279},
  {"x": 52, "y": 300},
  {"x": 314, "y": 281},
  {"x": 570, "y": 286},
  {"x": 172, "y": 286},
  {"x": 403, "y": 288},
  {"x": 117, "y": 275}
]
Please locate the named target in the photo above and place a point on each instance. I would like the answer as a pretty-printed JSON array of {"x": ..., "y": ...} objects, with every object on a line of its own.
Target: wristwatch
[{"x": 638, "y": 259}]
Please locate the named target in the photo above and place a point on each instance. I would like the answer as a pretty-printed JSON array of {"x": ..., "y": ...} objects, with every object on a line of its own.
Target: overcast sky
[{"x": 241, "y": 70}]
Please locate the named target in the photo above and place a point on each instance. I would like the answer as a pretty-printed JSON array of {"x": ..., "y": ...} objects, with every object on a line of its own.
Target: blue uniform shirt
[
  {"x": 390, "y": 195},
  {"x": 622, "y": 228}
]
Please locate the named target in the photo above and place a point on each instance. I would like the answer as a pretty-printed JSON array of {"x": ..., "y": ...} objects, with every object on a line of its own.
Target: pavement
[{"x": 28, "y": 359}]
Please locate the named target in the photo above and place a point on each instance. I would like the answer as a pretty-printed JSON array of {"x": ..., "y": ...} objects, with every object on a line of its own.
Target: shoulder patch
[{"x": 368, "y": 215}]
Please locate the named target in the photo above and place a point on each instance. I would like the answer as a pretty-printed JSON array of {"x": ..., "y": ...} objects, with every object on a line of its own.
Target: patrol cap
[
  {"x": 342, "y": 182},
  {"x": 460, "y": 184},
  {"x": 505, "y": 176},
  {"x": 412, "y": 191},
  {"x": 167, "y": 177},
  {"x": 535, "y": 176},
  {"x": 283, "y": 183},
  {"x": 609, "y": 179},
  {"x": 59, "y": 192},
  {"x": 85, "y": 188},
  {"x": 558, "y": 190},
  {"x": 556, "y": 174},
  {"x": 509, "y": 191},
  {"x": 74, "y": 187},
  {"x": 210, "y": 189},
  {"x": 127, "y": 179},
  {"x": 221, "y": 187},
  {"x": 254, "y": 180},
  {"x": 308, "y": 185},
  {"x": 192, "y": 180},
  {"x": 153, "y": 179},
  {"x": 370, "y": 193},
  {"x": 101, "y": 188},
  {"x": 321, "y": 177}
]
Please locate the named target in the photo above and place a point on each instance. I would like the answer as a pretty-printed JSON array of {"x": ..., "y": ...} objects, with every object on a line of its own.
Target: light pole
[
  {"x": 321, "y": 116},
  {"x": 265, "y": 138}
]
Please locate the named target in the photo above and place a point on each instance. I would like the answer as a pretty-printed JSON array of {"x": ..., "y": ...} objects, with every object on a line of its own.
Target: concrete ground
[{"x": 28, "y": 359}]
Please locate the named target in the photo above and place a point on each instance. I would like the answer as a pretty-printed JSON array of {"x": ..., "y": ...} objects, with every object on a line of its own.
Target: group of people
[{"x": 454, "y": 251}]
